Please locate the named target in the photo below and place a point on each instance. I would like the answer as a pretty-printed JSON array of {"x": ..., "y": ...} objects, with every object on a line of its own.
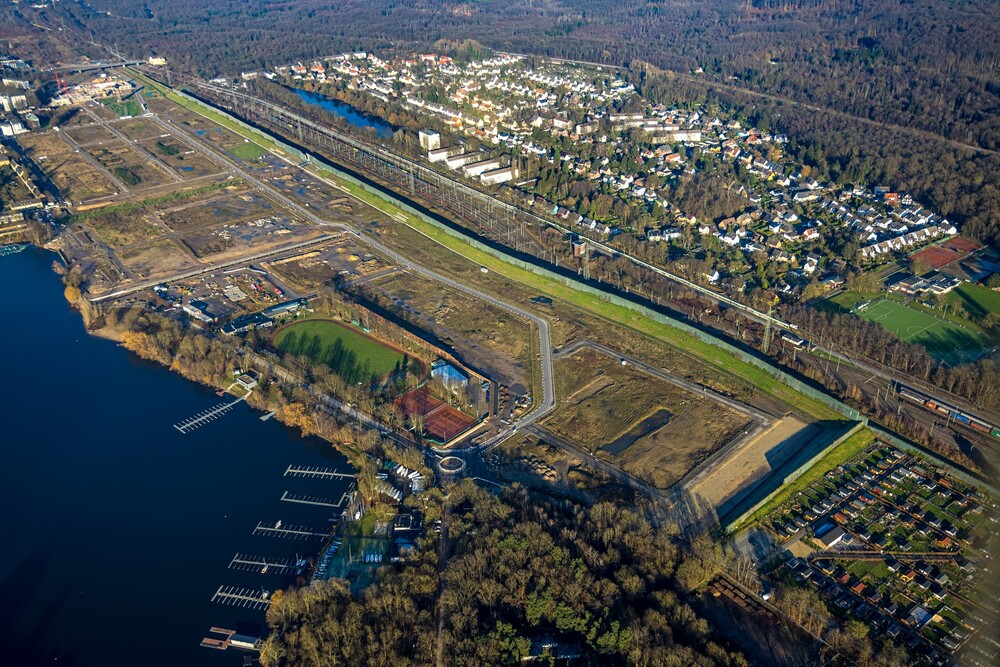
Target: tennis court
[{"x": 944, "y": 340}]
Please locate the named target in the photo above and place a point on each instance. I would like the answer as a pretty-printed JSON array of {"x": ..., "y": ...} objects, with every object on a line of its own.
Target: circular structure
[{"x": 451, "y": 468}]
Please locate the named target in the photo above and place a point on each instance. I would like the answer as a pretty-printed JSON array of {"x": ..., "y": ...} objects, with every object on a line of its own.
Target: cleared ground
[
  {"x": 653, "y": 429},
  {"x": 458, "y": 319},
  {"x": 118, "y": 227},
  {"x": 76, "y": 178},
  {"x": 162, "y": 257},
  {"x": 753, "y": 460}
]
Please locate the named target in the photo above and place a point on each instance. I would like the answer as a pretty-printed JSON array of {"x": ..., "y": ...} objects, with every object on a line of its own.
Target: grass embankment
[
  {"x": 379, "y": 358},
  {"x": 247, "y": 151},
  {"x": 978, "y": 301},
  {"x": 709, "y": 353},
  {"x": 843, "y": 452},
  {"x": 127, "y": 107}
]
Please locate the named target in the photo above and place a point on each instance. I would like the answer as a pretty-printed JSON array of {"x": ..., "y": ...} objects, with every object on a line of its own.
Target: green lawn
[
  {"x": 978, "y": 301},
  {"x": 247, "y": 151},
  {"x": 317, "y": 338},
  {"x": 843, "y": 301},
  {"x": 945, "y": 340},
  {"x": 127, "y": 107}
]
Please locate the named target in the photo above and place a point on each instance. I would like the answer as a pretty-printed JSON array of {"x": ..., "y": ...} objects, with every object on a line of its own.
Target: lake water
[
  {"x": 118, "y": 529},
  {"x": 347, "y": 112}
]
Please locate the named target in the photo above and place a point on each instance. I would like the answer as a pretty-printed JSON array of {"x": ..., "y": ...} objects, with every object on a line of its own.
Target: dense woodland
[{"x": 504, "y": 575}]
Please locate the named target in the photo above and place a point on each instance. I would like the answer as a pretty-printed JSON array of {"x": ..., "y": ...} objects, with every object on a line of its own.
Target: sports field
[
  {"x": 318, "y": 340},
  {"x": 441, "y": 421},
  {"x": 946, "y": 341},
  {"x": 947, "y": 252}
]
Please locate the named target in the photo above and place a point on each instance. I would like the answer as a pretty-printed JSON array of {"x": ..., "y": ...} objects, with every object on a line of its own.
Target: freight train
[{"x": 935, "y": 405}]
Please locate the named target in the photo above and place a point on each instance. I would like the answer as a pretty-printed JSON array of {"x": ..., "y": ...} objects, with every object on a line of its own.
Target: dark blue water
[
  {"x": 117, "y": 529},
  {"x": 347, "y": 112}
]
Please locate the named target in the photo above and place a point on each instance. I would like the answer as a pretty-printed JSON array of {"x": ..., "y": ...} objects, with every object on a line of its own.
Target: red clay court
[
  {"x": 441, "y": 421},
  {"x": 949, "y": 251}
]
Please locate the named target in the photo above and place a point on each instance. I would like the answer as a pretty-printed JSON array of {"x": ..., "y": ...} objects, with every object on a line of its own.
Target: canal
[
  {"x": 118, "y": 529},
  {"x": 347, "y": 112}
]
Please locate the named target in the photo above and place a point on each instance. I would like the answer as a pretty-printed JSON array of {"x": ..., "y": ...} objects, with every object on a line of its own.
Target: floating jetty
[
  {"x": 313, "y": 500},
  {"x": 290, "y": 532},
  {"x": 247, "y": 598},
  {"x": 316, "y": 473},
  {"x": 266, "y": 565},
  {"x": 207, "y": 416},
  {"x": 264, "y": 418}
]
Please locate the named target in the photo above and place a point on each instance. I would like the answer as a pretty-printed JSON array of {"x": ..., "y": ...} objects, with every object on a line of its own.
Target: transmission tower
[{"x": 765, "y": 344}]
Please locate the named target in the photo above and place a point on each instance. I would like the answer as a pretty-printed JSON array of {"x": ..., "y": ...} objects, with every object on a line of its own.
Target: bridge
[{"x": 86, "y": 67}]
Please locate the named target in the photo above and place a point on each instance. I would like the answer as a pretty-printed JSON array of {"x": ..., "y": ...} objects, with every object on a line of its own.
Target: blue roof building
[{"x": 448, "y": 375}]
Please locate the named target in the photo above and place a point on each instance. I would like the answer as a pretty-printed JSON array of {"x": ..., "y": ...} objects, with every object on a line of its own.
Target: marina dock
[
  {"x": 316, "y": 473},
  {"x": 290, "y": 532},
  {"x": 207, "y": 416},
  {"x": 247, "y": 598},
  {"x": 264, "y": 564},
  {"x": 313, "y": 500}
]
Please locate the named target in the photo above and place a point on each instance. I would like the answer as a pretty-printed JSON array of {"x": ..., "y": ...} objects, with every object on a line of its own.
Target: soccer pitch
[{"x": 946, "y": 341}]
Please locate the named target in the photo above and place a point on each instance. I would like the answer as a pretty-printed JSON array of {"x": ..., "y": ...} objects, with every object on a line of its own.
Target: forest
[{"x": 505, "y": 575}]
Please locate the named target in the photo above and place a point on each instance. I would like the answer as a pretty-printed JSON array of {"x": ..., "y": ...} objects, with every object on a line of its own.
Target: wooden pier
[
  {"x": 207, "y": 416},
  {"x": 220, "y": 644}
]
